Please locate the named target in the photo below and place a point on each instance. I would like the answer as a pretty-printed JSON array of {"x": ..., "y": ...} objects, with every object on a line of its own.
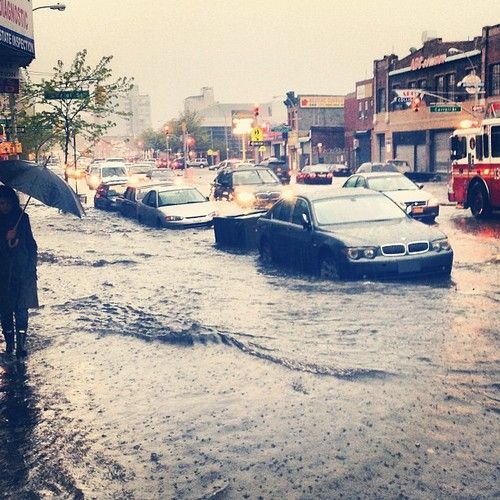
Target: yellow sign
[
  {"x": 257, "y": 135},
  {"x": 210, "y": 152},
  {"x": 262, "y": 149}
]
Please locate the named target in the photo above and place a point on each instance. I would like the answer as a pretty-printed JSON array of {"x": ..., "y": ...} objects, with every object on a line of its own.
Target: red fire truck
[{"x": 475, "y": 179}]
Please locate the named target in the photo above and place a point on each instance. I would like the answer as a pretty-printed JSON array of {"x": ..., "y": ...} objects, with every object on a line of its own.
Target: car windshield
[
  {"x": 249, "y": 177},
  {"x": 391, "y": 183},
  {"x": 161, "y": 174},
  {"x": 355, "y": 209},
  {"x": 139, "y": 169},
  {"x": 180, "y": 197},
  {"x": 114, "y": 172}
]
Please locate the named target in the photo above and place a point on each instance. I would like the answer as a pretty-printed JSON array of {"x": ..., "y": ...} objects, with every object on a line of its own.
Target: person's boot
[
  {"x": 9, "y": 342},
  {"x": 21, "y": 344}
]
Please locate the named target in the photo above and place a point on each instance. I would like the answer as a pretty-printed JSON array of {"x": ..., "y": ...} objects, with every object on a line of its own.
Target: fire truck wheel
[{"x": 479, "y": 205}]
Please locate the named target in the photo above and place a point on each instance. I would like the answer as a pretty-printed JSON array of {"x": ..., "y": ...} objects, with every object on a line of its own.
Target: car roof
[
  {"x": 336, "y": 193},
  {"x": 124, "y": 180},
  {"x": 170, "y": 187}
]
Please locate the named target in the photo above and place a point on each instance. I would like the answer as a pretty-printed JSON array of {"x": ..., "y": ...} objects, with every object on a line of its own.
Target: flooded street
[{"x": 163, "y": 367}]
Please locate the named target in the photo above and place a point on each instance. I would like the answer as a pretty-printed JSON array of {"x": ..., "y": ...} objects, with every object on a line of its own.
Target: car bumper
[
  {"x": 191, "y": 222},
  {"x": 322, "y": 180},
  {"x": 408, "y": 266}
]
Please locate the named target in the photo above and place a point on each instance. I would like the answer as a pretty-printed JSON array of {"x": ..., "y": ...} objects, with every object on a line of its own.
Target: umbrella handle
[{"x": 13, "y": 243}]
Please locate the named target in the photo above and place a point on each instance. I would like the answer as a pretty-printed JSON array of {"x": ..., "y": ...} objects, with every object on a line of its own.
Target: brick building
[{"x": 452, "y": 76}]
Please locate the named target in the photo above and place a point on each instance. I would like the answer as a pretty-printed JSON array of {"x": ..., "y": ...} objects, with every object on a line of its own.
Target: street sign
[
  {"x": 66, "y": 94},
  {"x": 9, "y": 85},
  {"x": 446, "y": 109},
  {"x": 257, "y": 135},
  {"x": 256, "y": 143},
  {"x": 210, "y": 152},
  {"x": 478, "y": 109},
  {"x": 262, "y": 149}
]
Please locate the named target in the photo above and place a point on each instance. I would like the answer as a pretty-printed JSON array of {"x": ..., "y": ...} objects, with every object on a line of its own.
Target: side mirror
[
  {"x": 408, "y": 209},
  {"x": 207, "y": 198},
  {"x": 306, "y": 223},
  {"x": 420, "y": 186}
]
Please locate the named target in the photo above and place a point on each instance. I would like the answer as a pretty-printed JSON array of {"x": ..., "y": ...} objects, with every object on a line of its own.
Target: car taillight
[
  {"x": 312, "y": 175},
  {"x": 329, "y": 174}
]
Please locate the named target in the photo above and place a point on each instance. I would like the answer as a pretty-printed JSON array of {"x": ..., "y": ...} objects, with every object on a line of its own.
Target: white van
[{"x": 105, "y": 172}]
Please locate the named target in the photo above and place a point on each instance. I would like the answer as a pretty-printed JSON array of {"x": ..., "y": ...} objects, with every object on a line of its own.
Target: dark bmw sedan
[{"x": 358, "y": 234}]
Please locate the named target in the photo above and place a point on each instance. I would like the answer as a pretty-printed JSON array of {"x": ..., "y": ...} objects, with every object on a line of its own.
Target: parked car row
[{"x": 163, "y": 204}]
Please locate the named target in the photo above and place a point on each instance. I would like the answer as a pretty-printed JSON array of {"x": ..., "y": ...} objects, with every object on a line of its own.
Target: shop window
[
  {"x": 450, "y": 86},
  {"x": 412, "y": 85},
  {"x": 495, "y": 79},
  {"x": 440, "y": 89}
]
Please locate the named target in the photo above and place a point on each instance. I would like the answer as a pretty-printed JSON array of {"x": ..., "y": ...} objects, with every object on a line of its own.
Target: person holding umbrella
[{"x": 18, "y": 278}]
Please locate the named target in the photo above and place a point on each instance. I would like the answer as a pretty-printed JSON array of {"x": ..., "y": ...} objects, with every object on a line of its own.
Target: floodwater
[{"x": 163, "y": 367}]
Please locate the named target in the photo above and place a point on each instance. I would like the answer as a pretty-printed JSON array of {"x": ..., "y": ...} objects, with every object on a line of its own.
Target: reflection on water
[{"x": 18, "y": 416}]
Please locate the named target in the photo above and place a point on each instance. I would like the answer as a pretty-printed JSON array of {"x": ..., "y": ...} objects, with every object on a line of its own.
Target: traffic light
[
  {"x": 190, "y": 140},
  {"x": 100, "y": 95},
  {"x": 256, "y": 111},
  {"x": 415, "y": 103}
]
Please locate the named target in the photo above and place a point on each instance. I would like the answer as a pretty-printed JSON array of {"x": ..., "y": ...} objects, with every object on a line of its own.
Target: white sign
[
  {"x": 408, "y": 94},
  {"x": 472, "y": 83},
  {"x": 321, "y": 101},
  {"x": 16, "y": 26}
]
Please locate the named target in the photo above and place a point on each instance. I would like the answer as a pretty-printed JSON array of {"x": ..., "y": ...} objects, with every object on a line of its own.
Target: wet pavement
[{"x": 163, "y": 367}]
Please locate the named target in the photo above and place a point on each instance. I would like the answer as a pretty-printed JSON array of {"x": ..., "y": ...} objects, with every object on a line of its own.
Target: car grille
[
  {"x": 411, "y": 248},
  {"x": 415, "y": 203},
  {"x": 418, "y": 247},
  {"x": 397, "y": 249}
]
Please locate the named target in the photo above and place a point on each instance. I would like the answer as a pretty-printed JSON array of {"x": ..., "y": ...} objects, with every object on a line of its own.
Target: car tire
[
  {"x": 328, "y": 267},
  {"x": 266, "y": 252},
  {"x": 478, "y": 202}
]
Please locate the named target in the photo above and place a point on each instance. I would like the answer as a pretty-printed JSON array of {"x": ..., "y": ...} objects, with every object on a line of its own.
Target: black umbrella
[{"x": 38, "y": 182}]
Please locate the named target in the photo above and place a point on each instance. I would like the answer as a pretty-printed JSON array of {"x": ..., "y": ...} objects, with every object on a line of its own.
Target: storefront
[{"x": 17, "y": 50}]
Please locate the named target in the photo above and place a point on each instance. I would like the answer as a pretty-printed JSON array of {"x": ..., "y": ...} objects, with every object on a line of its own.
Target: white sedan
[
  {"x": 175, "y": 206},
  {"x": 418, "y": 203}
]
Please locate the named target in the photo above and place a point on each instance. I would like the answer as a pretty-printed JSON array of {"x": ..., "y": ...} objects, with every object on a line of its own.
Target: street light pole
[{"x": 57, "y": 6}]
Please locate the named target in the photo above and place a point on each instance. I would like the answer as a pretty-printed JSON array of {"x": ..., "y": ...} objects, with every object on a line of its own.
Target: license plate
[
  {"x": 412, "y": 266},
  {"x": 417, "y": 210}
]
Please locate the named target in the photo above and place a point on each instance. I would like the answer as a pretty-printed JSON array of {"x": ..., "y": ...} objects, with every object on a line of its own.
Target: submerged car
[
  {"x": 279, "y": 167},
  {"x": 138, "y": 172},
  {"x": 107, "y": 194},
  {"x": 175, "y": 206},
  {"x": 403, "y": 191},
  {"x": 249, "y": 186},
  {"x": 351, "y": 233},
  {"x": 315, "y": 174},
  {"x": 103, "y": 172}
]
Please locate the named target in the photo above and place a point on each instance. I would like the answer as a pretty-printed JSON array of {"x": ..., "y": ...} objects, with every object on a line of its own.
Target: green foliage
[
  {"x": 39, "y": 134},
  {"x": 90, "y": 116}
]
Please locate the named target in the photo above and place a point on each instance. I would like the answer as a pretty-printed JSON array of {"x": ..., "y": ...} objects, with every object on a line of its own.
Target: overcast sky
[{"x": 247, "y": 50}]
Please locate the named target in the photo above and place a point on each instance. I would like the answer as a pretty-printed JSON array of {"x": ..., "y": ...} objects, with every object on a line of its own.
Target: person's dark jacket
[{"x": 18, "y": 278}]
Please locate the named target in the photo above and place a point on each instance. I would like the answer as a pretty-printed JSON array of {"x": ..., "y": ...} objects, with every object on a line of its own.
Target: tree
[
  {"x": 38, "y": 135},
  {"x": 193, "y": 126},
  {"x": 90, "y": 99}
]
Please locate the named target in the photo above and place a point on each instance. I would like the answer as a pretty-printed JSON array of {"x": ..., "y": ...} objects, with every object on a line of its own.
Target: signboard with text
[
  {"x": 66, "y": 94},
  {"x": 445, "y": 109},
  {"x": 321, "y": 101},
  {"x": 16, "y": 27}
]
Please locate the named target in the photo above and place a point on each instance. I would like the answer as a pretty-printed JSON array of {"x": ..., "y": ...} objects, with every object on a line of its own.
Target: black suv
[
  {"x": 279, "y": 167},
  {"x": 249, "y": 186}
]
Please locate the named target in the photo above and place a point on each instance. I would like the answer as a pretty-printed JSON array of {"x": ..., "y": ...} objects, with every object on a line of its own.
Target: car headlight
[
  {"x": 170, "y": 218},
  {"x": 245, "y": 197},
  {"x": 433, "y": 202},
  {"x": 355, "y": 253},
  {"x": 439, "y": 245}
]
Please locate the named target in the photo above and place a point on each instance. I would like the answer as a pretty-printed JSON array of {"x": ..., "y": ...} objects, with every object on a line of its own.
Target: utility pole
[{"x": 184, "y": 146}]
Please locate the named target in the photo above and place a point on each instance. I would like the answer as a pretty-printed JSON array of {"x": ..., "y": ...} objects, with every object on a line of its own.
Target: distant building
[
  {"x": 317, "y": 129},
  {"x": 217, "y": 119},
  {"x": 139, "y": 108},
  {"x": 358, "y": 113}
]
